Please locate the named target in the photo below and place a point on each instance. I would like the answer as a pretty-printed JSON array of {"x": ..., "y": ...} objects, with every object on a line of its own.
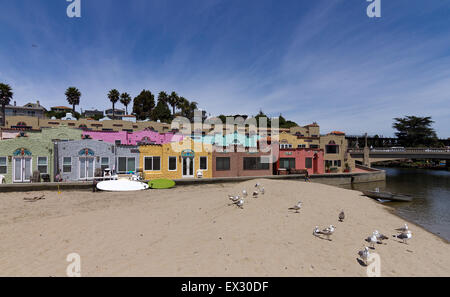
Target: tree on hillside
[
  {"x": 6, "y": 95},
  {"x": 143, "y": 105},
  {"x": 162, "y": 110},
  {"x": 73, "y": 96},
  {"x": 261, "y": 115},
  {"x": 114, "y": 97},
  {"x": 173, "y": 101},
  {"x": 415, "y": 131},
  {"x": 125, "y": 99},
  {"x": 285, "y": 123}
]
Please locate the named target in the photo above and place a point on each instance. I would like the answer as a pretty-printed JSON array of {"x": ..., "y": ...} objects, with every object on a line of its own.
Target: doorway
[
  {"x": 188, "y": 167},
  {"x": 22, "y": 170},
  {"x": 86, "y": 168}
]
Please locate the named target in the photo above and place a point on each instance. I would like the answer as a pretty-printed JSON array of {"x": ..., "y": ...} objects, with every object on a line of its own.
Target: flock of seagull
[
  {"x": 239, "y": 201},
  {"x": 403, "y": 233}
]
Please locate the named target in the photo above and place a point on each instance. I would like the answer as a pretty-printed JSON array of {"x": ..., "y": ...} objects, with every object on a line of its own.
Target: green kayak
[{"x": 161, "y": 184}]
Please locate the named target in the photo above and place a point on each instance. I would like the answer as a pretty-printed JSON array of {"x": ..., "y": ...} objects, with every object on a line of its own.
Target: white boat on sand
[{"x": 121, "y": 185}]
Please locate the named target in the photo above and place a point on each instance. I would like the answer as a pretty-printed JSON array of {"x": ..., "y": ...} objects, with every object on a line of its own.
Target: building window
[
  {"x": 42, "y": 165},
  {"x": 172, "y": 163},
  {"x": 308, "y": 163},
  {"x": 255, "y": 163},
  {"x": 314, "y": 146},
  {"x": 126, "y": 164},
  {"x": 152, "y": 163},
  {"x": 287, "y": 163},
  {"x": 332, "y": 148},
  {"x": 301, "y": 146},
  {"x": 203, "y": 163},
  {"x": 285, "y": 146},
  {"x": 222, "y": 163},
  {"x": 3, "y": 165},
  {"x": 105, "y": 163},
  {"x": 67, "y": 165},
  {"x": 337, "y": 163},
  {"x": 328, "y": 163}
]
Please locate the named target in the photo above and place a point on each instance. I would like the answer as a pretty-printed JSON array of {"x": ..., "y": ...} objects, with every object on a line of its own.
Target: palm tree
[
  {"x": 173, "y": 100},
  {"x": 113, "y": 96},
  {"x": 183, "y": 105},
  {"x": 125, "y": 99},
  {"x": 6, "y": 95},
  {"x": 73, "y": 97}
]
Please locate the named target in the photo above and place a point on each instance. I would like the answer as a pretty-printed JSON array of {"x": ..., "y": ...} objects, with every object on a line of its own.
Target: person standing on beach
[{"x": 307, "y": 179}]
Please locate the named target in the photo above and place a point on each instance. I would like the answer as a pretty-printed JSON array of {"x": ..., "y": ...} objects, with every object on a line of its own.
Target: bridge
[
  {"x": 367, "y": 156},
  {"x": 358, "y": 141}
]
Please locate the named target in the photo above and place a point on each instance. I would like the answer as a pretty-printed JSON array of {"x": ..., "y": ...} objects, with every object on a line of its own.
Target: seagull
[
  {"x": 235, "y": 198},
  {"x": 296, "y": 207},
  {"x": 257, "y": 185},
  {"x": 380, "y": 236},
  {"x": 364, "y": 254},
  {"x": 255, "y": 194},
  {"x": 316, "y": 231},
  {"x": 405, "y": 236},
  {"x": 328, "y": 231},
  {"x": 372, "y": 240},
  {"x": 341, "y": 216},
  {"x": 262, "y": 190},
  {"x": 403, "y": 229},
  {"x": 240, "y": 203},
  {"x": 244, "y": 193}
]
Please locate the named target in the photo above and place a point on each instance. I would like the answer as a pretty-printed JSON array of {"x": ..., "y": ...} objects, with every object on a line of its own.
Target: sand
[{"x": 191, "y": 231}]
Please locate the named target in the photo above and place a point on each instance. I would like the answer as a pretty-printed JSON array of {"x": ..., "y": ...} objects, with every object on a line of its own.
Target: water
[{"x": 430, "y": 207}]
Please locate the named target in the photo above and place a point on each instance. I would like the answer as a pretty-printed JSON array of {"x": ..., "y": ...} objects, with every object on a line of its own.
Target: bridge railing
[{"x": 401, "y": 150}]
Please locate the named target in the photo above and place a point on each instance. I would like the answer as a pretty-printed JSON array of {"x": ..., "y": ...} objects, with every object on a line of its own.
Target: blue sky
[{"x": 315, "y": 60}]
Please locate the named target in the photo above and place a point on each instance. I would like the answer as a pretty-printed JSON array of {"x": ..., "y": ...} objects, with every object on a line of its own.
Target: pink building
[
  {"x": 301, "y": 159},
  {"x": 133, "y": 138}
]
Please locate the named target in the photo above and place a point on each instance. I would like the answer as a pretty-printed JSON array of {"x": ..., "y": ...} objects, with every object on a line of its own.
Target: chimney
[
  {"x": 38, "y": 104},
  {"x": 15, "y": 103}
]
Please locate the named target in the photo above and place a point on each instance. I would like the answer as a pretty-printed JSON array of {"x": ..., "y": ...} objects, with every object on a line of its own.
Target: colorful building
[
  {"x": 300, "y": 159},
  {"x": 241, "y": 162},
  {"x": 133, "y": 138},
  {"x": 289, "y": 141},
  {"x": 35, "y": 123},
  {"x": 229, "y": 139},
  {"x": 335, "y": 147},
  {"x": 127, "y": 158},
  {"x": 176, "y": 160},
  {"x": 30, "y": 152},
  {"x": 78, "y": 160}
]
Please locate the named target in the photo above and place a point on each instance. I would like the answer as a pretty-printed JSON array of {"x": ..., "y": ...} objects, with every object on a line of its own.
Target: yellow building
[
  {"x": 287, "y": 140},
  {"x": 35, "y": 123},
  {"x": 176, "y": 160},
  {"x": 335, "y": 146}
]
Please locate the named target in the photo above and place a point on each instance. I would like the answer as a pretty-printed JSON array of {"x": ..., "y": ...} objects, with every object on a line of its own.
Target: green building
[{"x": 21, "y": 156}]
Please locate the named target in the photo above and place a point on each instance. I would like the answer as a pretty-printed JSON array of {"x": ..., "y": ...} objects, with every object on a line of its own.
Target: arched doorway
[{"x": 86, "y": 164}]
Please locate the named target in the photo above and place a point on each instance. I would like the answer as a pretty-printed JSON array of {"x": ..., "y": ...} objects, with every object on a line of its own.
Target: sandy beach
[{"x": 192, "y": 231}]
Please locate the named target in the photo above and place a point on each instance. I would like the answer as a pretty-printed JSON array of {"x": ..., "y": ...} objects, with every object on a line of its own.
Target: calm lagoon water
[{"x": 430, "y": 207}]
